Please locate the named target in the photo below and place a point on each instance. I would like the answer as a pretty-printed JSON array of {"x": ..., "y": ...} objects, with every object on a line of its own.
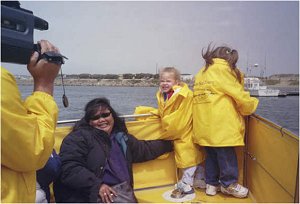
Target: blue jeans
[{"x": 221, "y": 166}]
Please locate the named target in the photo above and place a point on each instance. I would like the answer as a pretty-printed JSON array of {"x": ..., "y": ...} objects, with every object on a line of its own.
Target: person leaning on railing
[
  {"x": 219, "y": 106},
  {"x": 27, "y": 128}
]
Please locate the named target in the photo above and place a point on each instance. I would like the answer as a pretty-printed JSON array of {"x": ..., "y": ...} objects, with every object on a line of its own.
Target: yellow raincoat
[
  {"x": 176, "y": 122},
  {"x": 27, "y": 139},
  {"x": 219, "y": 104}
]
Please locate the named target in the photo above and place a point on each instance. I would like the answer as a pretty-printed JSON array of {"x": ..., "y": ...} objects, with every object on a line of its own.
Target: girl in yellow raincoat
[
  {"x": 219, "y": 104},
  {"x": 175, "y": 110}
]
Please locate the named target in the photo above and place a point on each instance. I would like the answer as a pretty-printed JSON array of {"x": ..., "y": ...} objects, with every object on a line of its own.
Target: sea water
[{"x": 282, "y": 111}]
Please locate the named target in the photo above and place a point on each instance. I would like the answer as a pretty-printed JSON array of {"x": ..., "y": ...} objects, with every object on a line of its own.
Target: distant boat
[{"x": 253, "y": 85}]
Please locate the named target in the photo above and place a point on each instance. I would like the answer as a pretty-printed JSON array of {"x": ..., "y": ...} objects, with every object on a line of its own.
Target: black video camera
[{"x": 17, "y": 25}]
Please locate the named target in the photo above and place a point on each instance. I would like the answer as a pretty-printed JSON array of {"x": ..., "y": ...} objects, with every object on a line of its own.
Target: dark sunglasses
[{"x": 102, "y": 115}]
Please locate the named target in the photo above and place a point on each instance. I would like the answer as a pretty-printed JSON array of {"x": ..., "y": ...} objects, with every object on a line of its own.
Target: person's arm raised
[{"x": 42, "y": 71}]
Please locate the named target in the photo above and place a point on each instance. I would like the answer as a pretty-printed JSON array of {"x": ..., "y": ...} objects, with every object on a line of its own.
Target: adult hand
[
  {"x": 107, "y": 193},
  {"x": 42, "y": 71}
]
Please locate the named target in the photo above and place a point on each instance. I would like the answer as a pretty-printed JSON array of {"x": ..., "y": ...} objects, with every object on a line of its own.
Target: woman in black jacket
[{"x": 98, "y": 153}]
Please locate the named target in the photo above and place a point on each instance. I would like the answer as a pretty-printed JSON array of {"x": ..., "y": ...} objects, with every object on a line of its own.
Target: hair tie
[{"x": 228, "y": 51}]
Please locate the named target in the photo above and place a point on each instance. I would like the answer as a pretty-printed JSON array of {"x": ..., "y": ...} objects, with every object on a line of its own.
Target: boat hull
[
  {"x": 252, "y": 84},
  {"x": 271, "y": 162},
  {"x": 265, "y": 92}
]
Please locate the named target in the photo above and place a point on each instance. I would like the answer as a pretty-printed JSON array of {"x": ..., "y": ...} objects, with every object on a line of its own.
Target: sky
[{"x": 110, "y": 37}]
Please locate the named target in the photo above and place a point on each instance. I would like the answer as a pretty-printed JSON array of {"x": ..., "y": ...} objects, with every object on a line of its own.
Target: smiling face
[
  {"x": 167, "y": 81},
  {"x": 103, "y": 120}
]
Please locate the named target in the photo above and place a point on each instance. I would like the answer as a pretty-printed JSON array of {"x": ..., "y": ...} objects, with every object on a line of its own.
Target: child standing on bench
[{"x": 175, "y": 110}]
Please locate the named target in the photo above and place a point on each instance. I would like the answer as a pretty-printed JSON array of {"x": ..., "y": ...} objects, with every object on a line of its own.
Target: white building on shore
[{"x": 186, "y": 77}]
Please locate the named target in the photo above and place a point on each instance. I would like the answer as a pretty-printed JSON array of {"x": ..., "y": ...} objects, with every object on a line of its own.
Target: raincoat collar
[
  {"x": 220, "y": 61},
  {"x": 181, "y": 89}
]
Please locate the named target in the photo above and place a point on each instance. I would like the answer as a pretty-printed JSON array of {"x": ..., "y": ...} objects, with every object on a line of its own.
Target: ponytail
[{"x": 231, "y": 56}]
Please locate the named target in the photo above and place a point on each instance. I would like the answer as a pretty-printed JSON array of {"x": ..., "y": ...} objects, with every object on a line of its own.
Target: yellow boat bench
[{"x": 268, "y": 165}]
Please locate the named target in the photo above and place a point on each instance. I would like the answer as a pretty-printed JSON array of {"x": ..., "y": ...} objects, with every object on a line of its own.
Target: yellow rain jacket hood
[
  {"x": 219, "y": 104},
  {"x": 27, "y": 139}
]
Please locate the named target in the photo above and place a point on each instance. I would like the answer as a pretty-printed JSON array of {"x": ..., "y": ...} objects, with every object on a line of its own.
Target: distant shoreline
[
  {"x": 274, "y": 81},
  {"x": 95, "y": 82},
  {"x": 126, "y": 83}
]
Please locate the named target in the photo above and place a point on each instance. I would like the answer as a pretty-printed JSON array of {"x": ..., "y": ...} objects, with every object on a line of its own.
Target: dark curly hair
[{"x": 91, "y": 109}]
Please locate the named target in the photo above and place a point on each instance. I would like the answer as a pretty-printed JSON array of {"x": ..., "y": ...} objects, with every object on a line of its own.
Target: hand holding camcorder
[{"x": 17, "y": 26}]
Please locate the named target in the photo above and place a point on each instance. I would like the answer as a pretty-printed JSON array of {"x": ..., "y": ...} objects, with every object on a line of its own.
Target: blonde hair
[{"x": 171, "y": 70}]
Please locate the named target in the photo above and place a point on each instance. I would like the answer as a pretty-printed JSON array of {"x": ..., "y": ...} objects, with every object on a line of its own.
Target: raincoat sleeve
[
  {"x": 175, "y": 122},
  {"x": 246, "y": 105},
  {"x": 27, "y": 128},
  {"x": 145, "y": 110}
]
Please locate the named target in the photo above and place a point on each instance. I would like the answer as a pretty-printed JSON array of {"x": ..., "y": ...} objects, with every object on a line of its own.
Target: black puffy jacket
[{"x": 83, "y": 155}]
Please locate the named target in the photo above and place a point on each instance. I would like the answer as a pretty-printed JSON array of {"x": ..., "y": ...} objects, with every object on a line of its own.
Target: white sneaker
[
  {"x": 212, "y": 190},
  {"x": 181, "y": 189},
  {"x": 199, "y": 183},
  {"x": 186, "y": 188},
  {"x": 236, "y": 190}
]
